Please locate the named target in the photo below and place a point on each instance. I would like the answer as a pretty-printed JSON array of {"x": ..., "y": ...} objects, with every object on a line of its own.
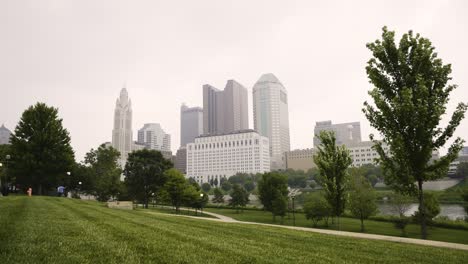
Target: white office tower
[
  {"x": 215, "y": 157},
  {"x": 191, "y": 124},
  {"x": 345, "y": 133},
  {"x": 152, "y": 136},
  {"x": 271, "y": 117},
  {"x": 225, "y": 111},
  {"x": 122, "y": 132}
]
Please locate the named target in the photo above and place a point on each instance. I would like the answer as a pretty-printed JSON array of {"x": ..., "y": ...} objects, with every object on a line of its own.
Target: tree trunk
[
  {"x": 422, "y": 210},
  {"x": 362, "y": 224}
]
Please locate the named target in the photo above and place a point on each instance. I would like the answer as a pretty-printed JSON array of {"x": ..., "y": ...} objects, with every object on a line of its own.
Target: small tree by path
[
  {"x": 273, "y": 193},
  {"x": 410, "y": 93},
  {"x": 176, "y": 188},
  {"x": 362, "y": 199},
  {"x": 333, "y": 162},
  {"x": 144, "y": 174},
  {"x": 316, "y": 208},
  {"x": 206, "y": 187},
  {"x": 400, "y": 205},
  {"x": 239, "y": 197},
  {"x": 218, "y": 196}
]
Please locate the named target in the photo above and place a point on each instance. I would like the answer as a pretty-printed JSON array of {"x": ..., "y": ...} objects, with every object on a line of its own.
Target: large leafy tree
[
  {"x": 178, "y": 188},
  {"x": 410, "y": 94},
  {"x": 273, "y": 192},
  {"x": 333, "y": 162},
  {"x": 40, "y": 149},
  {"x": 239, "y": 197},
  {"x": 104, "y": 172},
  {"x": 144, "y": 174}
]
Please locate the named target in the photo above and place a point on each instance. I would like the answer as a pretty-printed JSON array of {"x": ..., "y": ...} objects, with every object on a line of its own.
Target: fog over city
[{"x": 77, "y": 55}]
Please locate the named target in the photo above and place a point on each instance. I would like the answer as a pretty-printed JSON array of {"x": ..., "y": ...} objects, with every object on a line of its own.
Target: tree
[
  {"x": 410, "y": 94},
  {"x": 400, "y": 205},
  {"x": 316, "y": 208},
  {"x": 104, "y": 173},
  {"x": 206, "y": 187},
  {"x": 362, "y": 199},
  {"x": 144, "y": 174},
  {"x": 226, "y": 186},
  {"x": 239, "y": 197},
  {"x": 249, "y": 186},
  {"x": 431, "y": 209},
  {"x": 176, "y": 187},
  {"x": 273, "y": 190},
  {"x": 218, "y": 196},
  {"x": 4, "y": 151},
  {"x": 40, "y": 149},
  {"x": 333, "y": 162}
]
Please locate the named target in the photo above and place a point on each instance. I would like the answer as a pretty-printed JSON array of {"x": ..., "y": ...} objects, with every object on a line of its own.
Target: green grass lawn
[
  {"x": 349, "y": 224},
  {"x": 169, "y": 210},
  {"x": 61, "y": 230}
]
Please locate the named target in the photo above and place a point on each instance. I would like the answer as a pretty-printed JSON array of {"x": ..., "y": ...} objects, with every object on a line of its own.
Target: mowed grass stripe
[{"x": 74, "y": 231}]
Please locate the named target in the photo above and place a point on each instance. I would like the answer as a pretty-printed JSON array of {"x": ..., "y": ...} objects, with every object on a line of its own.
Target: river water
[{"x": 452, "y": 211}]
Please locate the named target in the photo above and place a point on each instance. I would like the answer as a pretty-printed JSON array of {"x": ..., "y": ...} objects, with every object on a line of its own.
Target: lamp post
[
  {"x": 201, "y": 204},
  {"x": 1, "y": 165},
  {"x": 294, "y": 216}
]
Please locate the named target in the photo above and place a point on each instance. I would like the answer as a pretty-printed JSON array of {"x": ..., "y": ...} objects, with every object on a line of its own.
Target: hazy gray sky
[{"x": 76, "y": 55}]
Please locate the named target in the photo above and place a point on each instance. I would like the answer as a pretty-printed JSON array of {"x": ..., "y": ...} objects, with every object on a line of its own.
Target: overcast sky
[{"x": 77, "y": 55}]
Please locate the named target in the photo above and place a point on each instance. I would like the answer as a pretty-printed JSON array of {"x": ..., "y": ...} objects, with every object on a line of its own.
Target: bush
[
  {"x": 431, "y": 207},
  {"x": 317, "y": 209}
]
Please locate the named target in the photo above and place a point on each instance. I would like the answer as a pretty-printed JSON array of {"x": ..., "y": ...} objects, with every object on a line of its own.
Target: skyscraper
[
  {"x": 122, "y": 132},
  {"x": 5, "y": 135},
  {"x": 271, "y": 117},
  {"x": 152, "y": 136},
  {"x": 225, "y": 111},
  {"x": 345, "y": 133},
  {"x": 191, "y": 124}
]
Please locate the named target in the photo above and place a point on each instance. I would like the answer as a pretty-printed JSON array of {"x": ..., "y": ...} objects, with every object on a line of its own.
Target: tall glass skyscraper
[{"x": 271, "y": 117}]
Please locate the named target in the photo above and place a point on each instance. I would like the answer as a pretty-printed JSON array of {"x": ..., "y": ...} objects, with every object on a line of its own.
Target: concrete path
[{"x": 226, "y": 219}]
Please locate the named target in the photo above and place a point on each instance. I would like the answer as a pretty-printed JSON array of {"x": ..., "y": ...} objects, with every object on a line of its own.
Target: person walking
[
  {"x": 60, "y": 191},
  {"x": 29, "y": 191}
]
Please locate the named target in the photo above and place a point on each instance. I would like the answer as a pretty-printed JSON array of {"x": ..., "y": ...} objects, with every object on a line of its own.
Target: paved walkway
[{"x": 226, "y": 219}]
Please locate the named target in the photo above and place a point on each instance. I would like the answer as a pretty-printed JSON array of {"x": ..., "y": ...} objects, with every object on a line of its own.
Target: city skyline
[{"x": 53, "y": 56}]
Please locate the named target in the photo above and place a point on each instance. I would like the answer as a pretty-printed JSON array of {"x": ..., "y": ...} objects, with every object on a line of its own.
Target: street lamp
[
  {"x": 294, "y": 216},
  {"x": 68, "y": 173},
  {"x": 201, "y": 204}
]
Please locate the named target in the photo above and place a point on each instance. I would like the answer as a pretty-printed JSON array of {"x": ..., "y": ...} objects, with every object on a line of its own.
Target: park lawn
[
  {"x": 61, "y": 230},
  {"x": 348, "y": 224},
  {"x": 182, "y": 211}
]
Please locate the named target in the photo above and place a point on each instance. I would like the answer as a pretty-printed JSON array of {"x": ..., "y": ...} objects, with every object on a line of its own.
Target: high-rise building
[
  {"x": 221, "y": 156},
  {"x": 153, "y": 137},
  {"x": 271, "y": 117},
  {"x": 225, "y": 111},
  {"x": 300, "y": 159},
  {"x": 122, "y": 137},
  {"x": 5, "y": 135},
  {"x": 345, "y": 133},
  {"x": 180, "y": 162},
  {"x": 191, "y": 124}
]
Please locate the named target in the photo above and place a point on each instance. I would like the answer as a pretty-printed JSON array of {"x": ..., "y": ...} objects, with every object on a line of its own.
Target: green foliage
[
  {"x": 178, "y": 189},
  {"x": 239, "y": 197},
  {"x": 362, "y": 199},
  {"x": 333, "y": 162},
  {"x": 431, "y": 209},
  {"x": 226, "y": 186},
  {"x": 218, "y": 196},
  {"x": 465, "y": 199},
  {"x": 206, "y": 187},
  {"x": 4, "y": 151},
  {"x": 316, "y": 208},
  {"x": 273, "y": 192},
  {"x": 410, "y": 94},
  {"x": 144, "y": 174},
  {"x": 101, "y": 173},
  {"x": 40, "y": 150}
]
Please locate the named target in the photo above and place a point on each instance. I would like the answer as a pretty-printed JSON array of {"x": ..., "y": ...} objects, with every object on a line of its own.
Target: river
[{"x": 452, "y": 211}]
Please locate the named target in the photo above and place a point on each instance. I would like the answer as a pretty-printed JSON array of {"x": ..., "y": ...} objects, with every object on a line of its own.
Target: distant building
[
  {"x": 271, "y": 117},
  {"x": 181, "y": 160},
  {"x": 191, "y": 124},
  {"x": 225, "y": 111},
  {"x": 152, "y": 136},
  {"x": 363, "y": 153},
  {"x": 345, "y": 133},
  {"x": 5, "y": 135},
  {"x": 300, "y": 159},
  {"x": 122, "y": 135},
  {"x": 215, "y": 157}
]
